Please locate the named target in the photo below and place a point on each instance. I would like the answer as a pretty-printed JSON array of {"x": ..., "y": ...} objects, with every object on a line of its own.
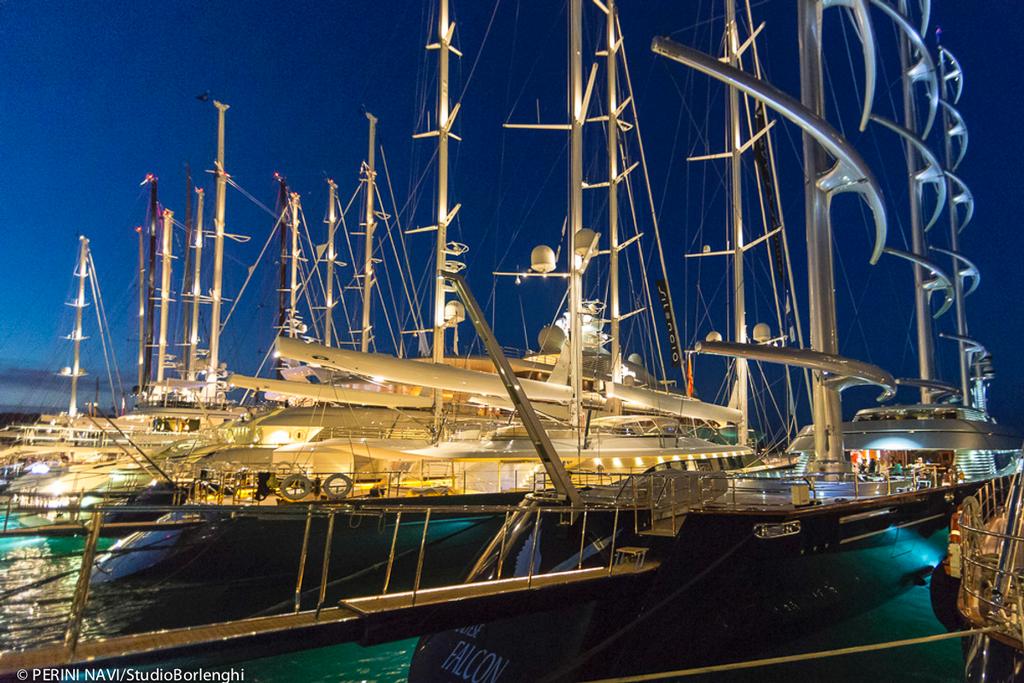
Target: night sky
[{"x": 93, "y": 96}]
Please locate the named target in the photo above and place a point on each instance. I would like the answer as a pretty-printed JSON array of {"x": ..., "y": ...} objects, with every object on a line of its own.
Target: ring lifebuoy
[
  {"x": 295, "y": 487},
  {"x": 337, "y": 486}
]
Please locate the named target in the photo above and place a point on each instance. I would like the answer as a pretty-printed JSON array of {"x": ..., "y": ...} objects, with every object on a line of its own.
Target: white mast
[
  {"x": 332, "y": 225},
  {"x": 293, "y": 286},
  {"x": 193, "y": 342},
  {"x": 575, "y": 221},
  {"x": 445, "y": 118},
  {"x": 165, "y": 292},
  {"x": 218, "y": 256},
  {"x": 612, "y": 48},
  {"x": 370, "y": 225},
  {"x": 76, "y": 335},
  {"x": 736, "y": 182},
  {"x": 142, "y": 310}
]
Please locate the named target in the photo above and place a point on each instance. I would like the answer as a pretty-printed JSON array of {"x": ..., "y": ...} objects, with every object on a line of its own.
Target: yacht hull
[{"x": 720, "y": 589}]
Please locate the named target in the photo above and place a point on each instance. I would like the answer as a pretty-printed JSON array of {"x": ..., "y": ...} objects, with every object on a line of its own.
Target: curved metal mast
[{"x": 954, "y": 130}]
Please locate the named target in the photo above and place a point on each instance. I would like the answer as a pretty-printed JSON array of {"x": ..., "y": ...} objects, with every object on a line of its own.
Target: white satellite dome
[
  {"x": 584, "y": 238},
  {"x": 542, "y": 259},
  {"x": 454, "y": 312},
  {"x": 762, "y": 333},
  {"x": 551, "y": 339},
  {"x": 713, "y": 336}
]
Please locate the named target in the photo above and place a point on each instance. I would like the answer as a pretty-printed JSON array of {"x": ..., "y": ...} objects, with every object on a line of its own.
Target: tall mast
[
  {"x": 282, "y": 268},
  {"x": 150, "y": 283},
  {"x": 81, "y": 273},
  {"x": 918, "y": 243},
  {"x": 141, "y": 361},
  {"x": 193, "y": 342},
  {"x": 576, "y": 116},
  {"x": 282, "y": 263},
  {"x": 612, "y": 49},
  {"x": 826, "y": 408},
  {"x": 370, "y": 225},
  {"x": 293, "y": 285},
  {"x": 736, "y": 183},
  {"x": 187, "y": 272},
  {"x": 218, "y": 254},
  {"x": 445, "y": 30},
  {"x": 166, "y": 247},
  {"x": 332, "y": 226},
  {"x": 949, "y": 130}
]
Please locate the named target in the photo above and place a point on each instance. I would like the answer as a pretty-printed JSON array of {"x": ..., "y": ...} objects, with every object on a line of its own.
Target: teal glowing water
[
  {"x": 907, "y": 616},
  {"x": 32, "y": 612}
]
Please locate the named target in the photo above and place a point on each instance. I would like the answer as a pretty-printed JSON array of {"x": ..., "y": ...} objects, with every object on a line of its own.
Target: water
[
  {"x": 33, "y": 611},
  {"x": 907, "y": 616}
]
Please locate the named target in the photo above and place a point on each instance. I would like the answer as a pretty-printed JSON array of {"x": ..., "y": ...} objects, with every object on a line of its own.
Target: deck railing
[{"x": 991, "y": 562}]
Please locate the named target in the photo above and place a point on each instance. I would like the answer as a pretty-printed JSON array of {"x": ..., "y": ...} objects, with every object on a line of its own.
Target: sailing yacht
[
  {"x": 785, "y": 554},
  {"x": 949, "y": 424}
]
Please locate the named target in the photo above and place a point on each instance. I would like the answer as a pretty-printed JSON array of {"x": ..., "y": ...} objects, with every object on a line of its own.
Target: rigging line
[
  {"x": 387, "y": 317},
  {"x": 245, "y": 193},
  {"x": 313, "y": 266},
  {"x": 341, "y": 290},
  {"x": 646, "y": 174},
  {"x": 408, "y": 286},
  {"x": 93, "y": 285},
  {"x": 479, "y": 52},
  {"x": 104, "y": 329},
  {"x": 248, "y": 277},
  {"x": 105, "y": 324},
  {"x": 660, "y": 359},
  {"x": 773, "y": 167}
]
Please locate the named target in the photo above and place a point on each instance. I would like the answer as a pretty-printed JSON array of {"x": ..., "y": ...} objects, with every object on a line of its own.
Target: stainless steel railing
[{"x": 991, "y": 561}]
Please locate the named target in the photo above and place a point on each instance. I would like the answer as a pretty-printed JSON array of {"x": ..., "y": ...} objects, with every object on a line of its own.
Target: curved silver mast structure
[
  {"x": 916, "y": 66},
  {"x": 845, "y": 172},
  {"x": 955, "y": 146}
]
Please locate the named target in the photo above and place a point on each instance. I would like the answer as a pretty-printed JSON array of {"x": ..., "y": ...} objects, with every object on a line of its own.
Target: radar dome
[
  {"x": 584, "y": 238},
  {"x": 542, "y": 259},
  {"x": 454, "y": 312},
  {"x": 551, "y": 339},
  {"x": 713, "y": 336},
  {"x": 762, "y": 333}
]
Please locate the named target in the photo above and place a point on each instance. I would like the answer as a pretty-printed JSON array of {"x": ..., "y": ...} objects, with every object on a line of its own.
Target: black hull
[
  {"x": 721, "y": 593},
  {"x": 241, "y": 565}
]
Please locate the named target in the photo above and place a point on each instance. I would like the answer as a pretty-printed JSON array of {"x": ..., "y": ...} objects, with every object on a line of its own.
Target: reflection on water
[
  {"x": 349, "y": 663},
  {"x": 38, "y": 577}
]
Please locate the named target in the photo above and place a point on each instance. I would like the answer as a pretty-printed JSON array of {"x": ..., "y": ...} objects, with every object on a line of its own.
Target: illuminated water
[{"x": 33, "y": 611}]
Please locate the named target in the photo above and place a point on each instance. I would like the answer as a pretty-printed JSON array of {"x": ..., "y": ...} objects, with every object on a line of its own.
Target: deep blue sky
[{"x": 95, "y": 95}]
